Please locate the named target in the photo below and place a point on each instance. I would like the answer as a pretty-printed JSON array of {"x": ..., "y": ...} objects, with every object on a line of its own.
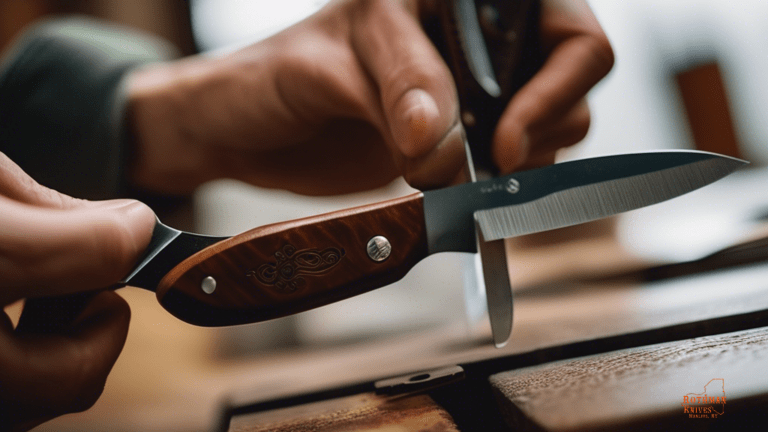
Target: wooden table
[{"x": 586, "y": 357}]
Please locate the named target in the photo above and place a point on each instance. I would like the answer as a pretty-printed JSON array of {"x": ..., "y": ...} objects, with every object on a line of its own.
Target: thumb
[
  {"x": 52, "y": 252},
  {"x": 52, "y": 244}
]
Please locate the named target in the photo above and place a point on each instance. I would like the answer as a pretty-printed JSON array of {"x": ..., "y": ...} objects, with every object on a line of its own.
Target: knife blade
[
  {"x": 485, "y": 83},
  {"x": 293, "y": 266}
]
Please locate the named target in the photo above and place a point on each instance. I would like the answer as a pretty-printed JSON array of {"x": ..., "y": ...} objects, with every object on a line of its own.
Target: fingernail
[
  {"x": 418, "y": 113},
  {"x": 441, "y": 166}
]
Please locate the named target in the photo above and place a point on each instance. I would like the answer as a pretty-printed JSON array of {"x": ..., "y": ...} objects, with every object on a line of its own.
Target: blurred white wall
[
  {"x": 637, "y": 106},
  {"x": 222, "y": 23}
]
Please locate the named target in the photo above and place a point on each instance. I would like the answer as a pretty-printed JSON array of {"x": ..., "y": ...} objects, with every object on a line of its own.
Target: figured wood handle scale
[{"x": 285, "y": 268}]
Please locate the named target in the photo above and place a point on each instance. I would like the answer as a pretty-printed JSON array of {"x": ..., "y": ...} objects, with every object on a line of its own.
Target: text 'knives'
[{"x": 289, "y": 267}]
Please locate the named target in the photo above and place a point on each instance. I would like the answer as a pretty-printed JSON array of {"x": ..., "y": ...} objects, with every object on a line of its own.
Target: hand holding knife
[
  {"x": 293, "y": 266},
  {"x": 289, "y": 267}
]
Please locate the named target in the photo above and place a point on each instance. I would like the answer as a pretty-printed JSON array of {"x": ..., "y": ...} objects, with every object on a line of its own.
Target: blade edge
[{"x": 596, "y": 201}]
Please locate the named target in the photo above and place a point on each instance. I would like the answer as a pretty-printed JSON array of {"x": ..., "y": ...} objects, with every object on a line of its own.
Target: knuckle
[
  {"x": 583, "y": 122},
  {"x": 76, "y": 387},
  {"x": 578, "y": 133},
  {"x": 580, "y": 122},
  {"x": 91, "y": 363},
  {"x": 601, "y": 50},
  {"x": 87, "y": 387},
  {"x": 535, "y": 109}
]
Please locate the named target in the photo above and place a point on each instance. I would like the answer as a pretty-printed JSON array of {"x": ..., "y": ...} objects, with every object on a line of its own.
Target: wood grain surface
[
  {"x": 290, "y": 267},
  {"x": 643, "y": 388},
  {"x": 552, "y": 324},
  {"x": 365, "y": 412}
]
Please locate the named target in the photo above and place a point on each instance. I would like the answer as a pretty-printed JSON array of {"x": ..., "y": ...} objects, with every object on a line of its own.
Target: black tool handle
[{"x": 510, "y": 32}]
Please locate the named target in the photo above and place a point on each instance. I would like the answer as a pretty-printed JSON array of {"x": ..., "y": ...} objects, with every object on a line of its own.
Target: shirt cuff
[{"x": 62, "y": 102}]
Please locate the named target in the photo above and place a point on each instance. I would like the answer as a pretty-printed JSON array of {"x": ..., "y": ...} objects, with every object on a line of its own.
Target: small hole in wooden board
[{"x": 420, "y": 377}]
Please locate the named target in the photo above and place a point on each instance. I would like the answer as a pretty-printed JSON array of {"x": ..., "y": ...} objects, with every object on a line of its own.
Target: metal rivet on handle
[
  {"x": 208, "y": 285},
  {"x": 513, "y": 186},
  {"x": 379, "y": 248}
]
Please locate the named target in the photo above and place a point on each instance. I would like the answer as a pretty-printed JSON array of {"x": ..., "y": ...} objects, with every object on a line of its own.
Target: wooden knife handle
[{"x": 285, "y": 268}]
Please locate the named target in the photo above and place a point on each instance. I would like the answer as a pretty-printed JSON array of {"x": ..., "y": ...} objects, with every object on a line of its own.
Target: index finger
[
  {"x": 579, "y": 56},
  {"x": 418, "y": 97}
]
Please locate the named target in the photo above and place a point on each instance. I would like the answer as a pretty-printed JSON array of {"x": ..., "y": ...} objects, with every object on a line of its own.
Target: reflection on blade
[
  {"x": 162, "y": 236},
  {"x": 498, "y": 290},
  {"x": 601, "y": 199}
]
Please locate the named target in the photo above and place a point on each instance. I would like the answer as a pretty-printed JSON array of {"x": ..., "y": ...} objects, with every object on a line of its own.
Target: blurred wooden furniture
[
  {"x": 365, "y": 412},
  {"x": 708, "y": 382},
  {"x": 707, "y": 107},
  {"x": 168, "y": 19}
]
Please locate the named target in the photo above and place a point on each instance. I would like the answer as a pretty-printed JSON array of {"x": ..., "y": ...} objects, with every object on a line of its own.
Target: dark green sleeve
[{"x": 62, "y": 103}]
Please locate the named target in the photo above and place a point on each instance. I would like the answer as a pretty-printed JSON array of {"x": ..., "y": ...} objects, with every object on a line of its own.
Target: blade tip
[{"x": 500, "y": 339}]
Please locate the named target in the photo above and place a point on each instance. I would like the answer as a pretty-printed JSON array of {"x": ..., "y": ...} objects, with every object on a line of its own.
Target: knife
[
  {"x": 485, "y": 83},
  {"x": 289, "y": 267}
]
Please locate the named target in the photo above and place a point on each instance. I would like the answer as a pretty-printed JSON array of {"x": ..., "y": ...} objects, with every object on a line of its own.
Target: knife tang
[{"x": 285, "y": 268}]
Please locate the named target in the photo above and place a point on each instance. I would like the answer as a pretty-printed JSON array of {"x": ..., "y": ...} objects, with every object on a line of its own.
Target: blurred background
[{"x": 688, "y": 75}]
